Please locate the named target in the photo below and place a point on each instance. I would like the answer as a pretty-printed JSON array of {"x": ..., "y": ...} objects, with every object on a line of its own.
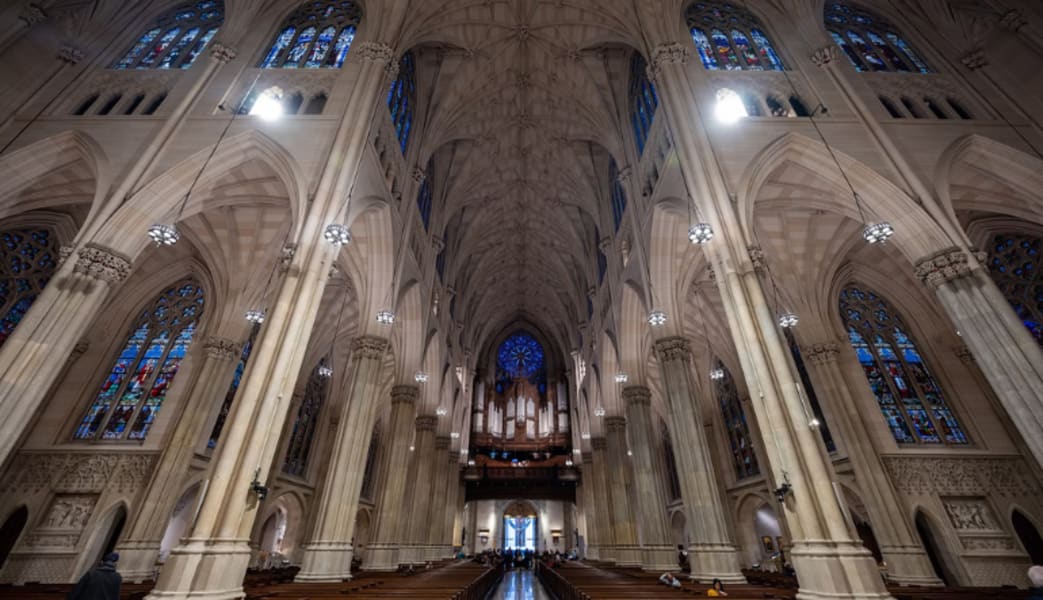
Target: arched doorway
[
  {"x": 180, "y": 520},
  {"x": 362, "y": 528},
  {"x": 933, "y": 549},
  {"x": 1029, "y": 536},
  {"x": 865, "y": 533},
  {"x": 520, "y": 527},
  {"x": 271, "y": 539},
  {"x": 11, "y": 531}
]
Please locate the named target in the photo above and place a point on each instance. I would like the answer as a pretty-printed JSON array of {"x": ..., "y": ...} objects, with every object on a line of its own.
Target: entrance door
[{"x": 1029, "y": 537}]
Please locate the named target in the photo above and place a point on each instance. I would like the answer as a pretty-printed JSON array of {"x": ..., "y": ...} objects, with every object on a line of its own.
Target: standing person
[
  {"x": 1036, "y": 577},
  {"x": 100, "y": 583}
]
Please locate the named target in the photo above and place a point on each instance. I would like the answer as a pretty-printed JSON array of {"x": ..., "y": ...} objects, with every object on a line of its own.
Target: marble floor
[{"x": 520, "y": 584}]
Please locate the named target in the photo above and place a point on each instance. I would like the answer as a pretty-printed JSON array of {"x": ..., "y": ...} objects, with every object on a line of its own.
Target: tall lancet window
[
  {"x": 317, "y": 35},
  {"x": 424, "y": 197},
  {"x": 910, "y": 399},
  {"x": 1014, "y": 263},
  {"x": 237, "y": 378},
  {"x": 132, "y": 394},
  {"x": 402, "y": 99},
  {"x": 177, "y": 38},
  {"x": 28, "y": 259},
  {"x": 730, "y": 38},
  {"x": 619, "y": 195},
  {"x": 643, "y": 101},
  {"x": 870, "y": 42},
  {"x": 744, "y": 457},
  {"x": 306, "y": 423}
]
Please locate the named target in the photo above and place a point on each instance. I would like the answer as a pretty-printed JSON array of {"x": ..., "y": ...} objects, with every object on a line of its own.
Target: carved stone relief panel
[
  {"x": 971, "y": 514},
  {"x": 63, "y": 521},
  {"x": 1004, "y": 476}
]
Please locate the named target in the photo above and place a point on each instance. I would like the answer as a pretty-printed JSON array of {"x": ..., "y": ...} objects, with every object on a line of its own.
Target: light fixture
[
  {"x": 599, "y": 412},
  {"x": 700, "y": 233},
  {"x": 730, "y": 107},
  {"x": 441, "y": 411},
  {"x": 878, "y": 233},
  {"x": 814, "y": 423},
  {"x": 255, "y": 316},
  {"x": 412, "y": 447},
  {"x": 657, "y": 318},
  {"x": 163, "y": 235},
  {"x": 622, "y": 377},
  {"x": 337, "y": 234},
  {"x": 455, "y": 435},
  {"x": 385, "y": 317},
  {"x": 716, "y": 373},
  {"x": 470, "y": 462},
  {"x": 568, "y": 462},
  {"x": 585, "y": 436},
  {"x": 420, "y": 377},
  {"x": 782, "y": 491},
  {"x": 325, "y": 370},
  {"x": 630, "y": 452},
  {"x": 268, "y": 105},
  {"x": 788, "y": 320}
]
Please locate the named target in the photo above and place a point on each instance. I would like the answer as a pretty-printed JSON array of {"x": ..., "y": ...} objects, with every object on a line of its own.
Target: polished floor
[{"x": 520, "y": 584}]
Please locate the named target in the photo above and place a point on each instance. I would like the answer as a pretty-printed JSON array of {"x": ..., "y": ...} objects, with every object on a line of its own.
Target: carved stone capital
[
  {"x": 615, "y": 424},
  {"x": 825, "y": 56},
  {"x": 80, "y": 348},
  {"x": 219, "y": 348},
  {"x": 32, "y": 14},
  {"x": 378, "y": 53},
  {"x": 637, "y": 395},
  {"x": 711, "y": 272},
  {"x": 598, "y": 443},
  {"x": 223, "y": 53},
  {"x": 943, "y": 267},
  {"x": 442, "y": 442},
  {"x": 1013, "y": 21},
  {"x": 368, "y": 346},
  {"x": 673, "y": 348},
  {"x": 102, "y": 264},
  {"x": 666, "y": 54},
  {"x": 70, "y": 54},
  {"x": 286, "y": 256},
  {"x": 624, "y": 174},
  {"x": 820, "y": 353},
  {"x": 418, "y": 175},
  {"x": 965, "y": 355},
  {"x": 438, "y": 244},
  {"x": 756, "y": 257},
  {"x": 404, "y": 394},
  {"x": 605, "y": 245},
  {"x": 64, "y": 252},
  {"x": 426, "y": 423},
  {"x": 975, "y": 59}
]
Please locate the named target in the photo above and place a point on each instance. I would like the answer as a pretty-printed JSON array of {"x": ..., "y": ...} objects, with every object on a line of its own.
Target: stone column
[
  {"x": 211, "y": 562},
  {"x": 383, "y": 551},
  {"x": 472, "y": 529},
  {"x": 328, "y": 551},
  {"x": 606, "y": 536},
  {"x": 418, "y": 501},
  {"x": 1010, "y": 358},
  {"x": 435, "y": 542},
  {"x": 650, "y": 509},
  {"x": 139, "y": 547},
  {"x": 453, "y": 513},
  {"x": 907, "y": 562},
  {"x": 828, "y": 561},
  {"x": 592, "y": 542},
  {"x": 627, "y": 550},
  {"x": 712, "y": 553}
]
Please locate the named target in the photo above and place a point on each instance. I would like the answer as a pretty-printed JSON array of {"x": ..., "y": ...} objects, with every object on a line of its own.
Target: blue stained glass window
[
  {"x": 702, "y": 44},
  {"x": 28, "y": 259},
  {"x": 237, "y": 378},
  {"x": 742, "y": 44},
  {"x": 173, "y": 41},
  {"x": 520, "y": 356},
  {"x": 767, "y": 51},
  {"x": 194, "y": 52},
  {"x": 863, "y": 49},
  {"x": 1014, "y": 264},
  {"x": 725, "y": 53},
  {"x": 877, "y": 54},
  {"x": 306, "y": 423},
  {"x": 897, "y": 64},
  {"x": 909, "y": 397},
  {"x": 744, "y": 457},
  {"x": 736, "y": 52},
  {"x": 185, "y": 41},
  {"x": 852, "y": 56},
  {"x": 899, "y": 42},
  {"x": 401, "y": 98},
  {"x": 159, "y": 48},
  {"x": 326, "y": 29},
  {"x": 140, "y": 379},
  {"x": 132, "y": 55},
  {"x": 643, "y": 101}
]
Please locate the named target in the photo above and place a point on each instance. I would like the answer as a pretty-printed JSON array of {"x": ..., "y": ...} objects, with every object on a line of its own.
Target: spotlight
[
  {"x": 268, "y": 105},
  {"x": 730, "y": 107}
]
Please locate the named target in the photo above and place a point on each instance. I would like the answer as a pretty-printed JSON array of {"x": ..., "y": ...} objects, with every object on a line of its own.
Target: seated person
[
  {"x": 716, "y": 589},
  {"x": 670, "y": 580}
]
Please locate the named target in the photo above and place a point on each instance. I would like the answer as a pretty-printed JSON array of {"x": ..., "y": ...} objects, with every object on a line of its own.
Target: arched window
[
  {"x": 736, "y": 428},
  {"x": 423, "y": 196},
  {"x": 138, "y": 383},
  {"x": 306, "y": 423},
  {"x": 809, "y": 390},
  {"x": 402, "y": 99},
  {"x": 1014, "y": 263},
  {"x": 176, "y": 38},
  {"x": 619, "y": 196},
  {"x": 237, "y": 378},
  {"x": 869, "y": 42},
  {"x": 316, "y": 35},
  {"x": 643, "y": 101},
  {"x": 910, "y": 399},
  {"x": 28, "y": 259},
  {"x": 728, "y": 37}
]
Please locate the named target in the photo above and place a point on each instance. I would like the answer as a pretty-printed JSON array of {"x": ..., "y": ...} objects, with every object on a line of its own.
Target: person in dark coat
[{"x": 100, "y": 583}]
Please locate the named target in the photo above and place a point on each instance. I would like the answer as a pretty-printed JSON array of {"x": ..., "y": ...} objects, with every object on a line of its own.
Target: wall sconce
[
  {"x": 782, "y": 491},
  {"x": 256, "y": 486}
]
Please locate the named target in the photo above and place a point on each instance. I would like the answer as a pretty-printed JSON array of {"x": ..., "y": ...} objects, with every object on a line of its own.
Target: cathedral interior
[{"x": 329, "y": 291}]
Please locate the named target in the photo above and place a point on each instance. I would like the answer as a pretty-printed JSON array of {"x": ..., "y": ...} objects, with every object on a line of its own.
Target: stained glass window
[
  {"x": 131, "y": 396},
  {"x": 176, "y": 38},
  {"x": 728, "y": 37},
  {"x": 306, "y": 423},
  {"x": 316, "y": 35},
  {"x": 910, "y": 399},
  {"x": 869, "y": 42},
  {"x": 643, "y": 101},
  {"x": 1014, "y": 263},
  {"x": 237, "y": 378},
  {"x": 737, "y": 429},
  {"x": 423, "y": 197},
  {"x": 520, "y": 357},
  {"x": 402, "y": 98},
  {"x": 28, "y": 259},
  {"x": 619, "y": 196}
]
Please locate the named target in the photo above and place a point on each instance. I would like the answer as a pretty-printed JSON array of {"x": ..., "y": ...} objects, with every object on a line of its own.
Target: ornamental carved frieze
[
  {"x": 1006, "y": 476},
  {"x": 825, "y": 56},
  {"x": 820, "y": 353},
  {"x": 673, "y": 348},
  {"x": 102, "y": 264},
  {"x": 426, "y": 423},
  {"x": 76, "y": 473},
  {"x": 598, "y": 443},
  {"x": 666, "y": 54},
  {"x": 943, "y": 267},
  {"x": 219, "y": 348},
  {"x": 370, "y": 347},
  {"x": 378, "y": 53},
  {"x": 637, "y": 395},
  {"x": 404, "y": 394},
  {"x": 222, "y": 53},
  {"x": 615, "y": 424}
]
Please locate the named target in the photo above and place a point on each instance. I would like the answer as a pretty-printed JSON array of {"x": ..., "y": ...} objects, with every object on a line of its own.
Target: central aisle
[{"x": 520, "y": 584}]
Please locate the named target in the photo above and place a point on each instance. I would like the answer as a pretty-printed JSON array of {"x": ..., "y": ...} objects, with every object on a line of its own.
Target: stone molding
[
  {"x": 70, "y": 54},
  {"x": 598, "y": 443},
  {"x": 1006, "y": 476},
  {"x": 426, "y": 423},
  {"x": 378, "y": 53},
  {"x": 102, "y": 264},
  {"x": 670, "y": 53},
  {"x": 32, "y": 14},
  {"x": 222, "y": 53},
  {"x": 943, "y": 267},
  {"x": 404, "y": 394},
  {"x": 615, "y": 423},
  {"x": 673, "y": 348},
  {"x": 442, "y": 442},
  {"x": 825, "y": 56},
  {"x": 219, "y": 348},
  {"x": 975, "y": 59},
  {"x": 368, "y": 346},
  {"x": 821, "y": 353}
]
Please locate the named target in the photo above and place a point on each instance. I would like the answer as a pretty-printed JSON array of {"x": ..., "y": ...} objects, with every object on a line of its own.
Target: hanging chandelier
[
  {"x": 717, "y": 374},
  {"x": 788, "y": 320},
  {"x": 255, "y": 316},
  {"x": 878, "y": 233},
  {"x": 599, "y": 412},
  {"x": 622, "y": 377},
  {"x": 657, "y": 318},
  {"x": 337, "y": 234},
  {"x": 385, "y": 317},
  {"x": 700, "y": 233}
]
